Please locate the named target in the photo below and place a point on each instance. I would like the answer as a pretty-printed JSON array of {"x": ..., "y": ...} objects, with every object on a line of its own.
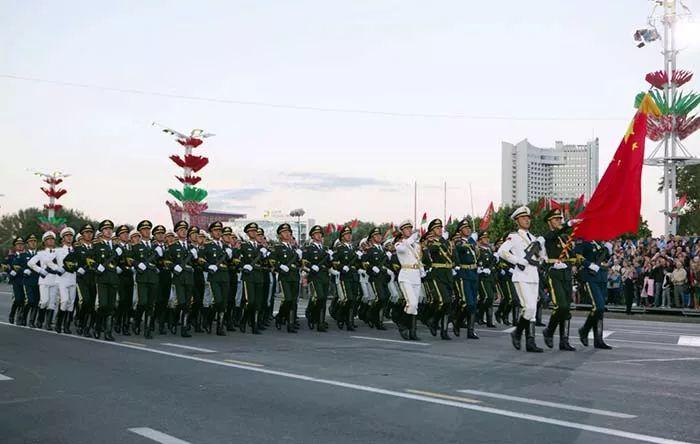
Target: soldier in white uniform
[
  {"x": 525, "y": 252},
  {"x": 409, "y": 253},
  {"x": 65, "y": 267},
  {"x": 43, "y": 263}
]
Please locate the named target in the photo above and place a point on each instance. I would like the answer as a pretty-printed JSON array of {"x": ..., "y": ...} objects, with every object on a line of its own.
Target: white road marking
[
  {"x": 606, "y": 333},
  {"x": 555, "y": 405},
  {"x": 188, "y": 347},
  {"x": 507, "y": 330},
  {"x": 5, "y": 378},
  {"x": 390, "y": 340},
  {"x": 157, "y": 436},
  {"x": 624, "y": 361},
  {"x": 665, "y": 344},
  {"x": 364, "y": 388},
  {"x": 651, "y": 332},
  {"x": 692, "y": 341}
]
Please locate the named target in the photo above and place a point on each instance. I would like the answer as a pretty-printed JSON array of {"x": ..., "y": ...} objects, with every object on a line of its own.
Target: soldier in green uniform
[
  {"x": 164, "y": 278},
  {"x": 558, "y": 279},
  {"x": 145, "y": 256},
  {"x": 85, "y": 276},
  {"x": 466, "y": 256},
  {"x": 441, "y": 259},
  {"x": 16, "y": 266},
  {"x": 106, "y": 254},
  {"x": 318, "y": 262},
  {"x": 125, "y": 289},
  {"x": 287, "y": 265},
  {"x": 505, "y": 288},
  {"x": 198, "y": 280},
  {"x": 252, "y": 277},
  {"x": 345, "y": 260},
  {"x": 267, "y": 302},
  {"x": 229, "y": 240},
  {"x": 426, "y": 307},
  {"x": 486, "y": 268},
  {"x": 375, "y": 261},
  {"x": 181, "y": 254},
  {"x": 217, "y": 255}
]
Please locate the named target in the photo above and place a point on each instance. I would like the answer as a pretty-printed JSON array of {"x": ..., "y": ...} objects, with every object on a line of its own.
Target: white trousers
[
  {"x": 411, "y": 292},
  {"x": 48, "y": 296},
  {"x": 66, "y": 297},
  {"x": 528, "y": 292}
]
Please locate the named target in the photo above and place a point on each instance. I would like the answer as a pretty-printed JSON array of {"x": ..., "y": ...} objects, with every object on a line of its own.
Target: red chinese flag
[
  {"x": 681, "y": 202},
  {"x": 486, "y": 220},
  {"x": 540, "y": 206},
  {"x": 354, "y": 224},
  {"x": 614, "y": 207},
  {"x": 554, "y": 205},
  {"x": 580, "y": 202},
  {"x": 424, "y": 219}
]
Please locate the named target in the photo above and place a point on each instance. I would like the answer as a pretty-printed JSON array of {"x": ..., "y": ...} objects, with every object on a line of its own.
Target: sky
[{"x": 444, "y": 83}]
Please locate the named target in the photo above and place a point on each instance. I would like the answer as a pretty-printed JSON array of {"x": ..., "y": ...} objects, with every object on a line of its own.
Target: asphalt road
[{"x": 341, "y": 387}]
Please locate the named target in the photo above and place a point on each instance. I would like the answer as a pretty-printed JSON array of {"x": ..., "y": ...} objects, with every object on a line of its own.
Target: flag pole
[
  {"x": 444, "y": 202},
  {"x": 415, "y": 203},
  {"x": 471, "y": 198}
]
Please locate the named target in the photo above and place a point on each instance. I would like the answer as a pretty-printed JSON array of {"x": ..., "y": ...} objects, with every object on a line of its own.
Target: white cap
[
  {"x": 48, "y": 234},
  {"x": 67, "y": 230},
  {"x": 134, "y": 233},
  {"x": 521, "y": 211},
  {"x": 405, "y": 223},
  {"x": 78, "y": 237}
]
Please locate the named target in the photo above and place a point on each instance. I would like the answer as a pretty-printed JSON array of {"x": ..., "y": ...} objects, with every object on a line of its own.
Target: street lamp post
[{"x": 298, "y": 213}]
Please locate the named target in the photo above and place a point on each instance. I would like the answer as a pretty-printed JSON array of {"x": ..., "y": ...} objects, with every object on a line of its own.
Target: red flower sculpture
[
  {"x": 659, "y": 79},
  {"x": 189, "y": 180},
  {"x": 53, "y": 180},
  {"x": 56, "y": 193},
  {"x": 192, "y": 142},
  {"x": 196, "y": 163},
  {"x": 55, "y": 207}
]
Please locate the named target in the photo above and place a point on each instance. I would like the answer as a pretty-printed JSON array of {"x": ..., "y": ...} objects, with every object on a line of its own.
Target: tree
[
  {"x": 25, "y": 222},
  {"x": 688, "y": 183}
]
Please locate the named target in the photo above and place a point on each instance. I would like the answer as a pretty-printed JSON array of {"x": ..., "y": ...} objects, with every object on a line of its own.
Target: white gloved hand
[
  {"x": 229, "y": 252},
  {"x": 388, "y": 254},
  {"x": 573, "y": 222},
  {"x": 375, "y": 269},
  {"x": 13, "y": 273},
  {"x": 43, "y": 273},
  {"x": 334, "y": 272},
  {"x": 118, "y": 250},
  {"x": 559, "y": 266},
  {"x": 593, "y": 267},
  {"x": 330, "y": 253},
  {"x": 479, "y": 270},
  {"x": 159, "y": 250},
  {"x": 359, "y": 254},
  {"x": 193, "y": 251},
  {"x": 454, "y": 272},
  {"x": 141, "y": 266},
  {"x": 284, "y": 268},
  {"x": 346, "y": 268},
  {"x": 475, "y": 236},
  {"x": 27, "y": 272},
  {"x": 81, "y": 271},
  {"x": 177, "y": 268},
  {"x": 119, "y": 270},
  {"x": 213, "y": 268},
  {"x": 445, "y": 234},
  {"x": 503, "y": 272},
  {"x": 300, "y": 253},
  {"x": 540, "y": 239},
  {"x": 264, "y": 251},
  {"x": 248, "y": 267},
  {"x": 100, "y": 268},
  {"x": 487, "y": 271},
  {"x": 423, "y": 273},
  {"x": 315, "y": 268}
]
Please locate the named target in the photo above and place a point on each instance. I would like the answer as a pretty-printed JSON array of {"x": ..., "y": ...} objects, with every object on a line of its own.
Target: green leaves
[{"x": 189, "y": 194}]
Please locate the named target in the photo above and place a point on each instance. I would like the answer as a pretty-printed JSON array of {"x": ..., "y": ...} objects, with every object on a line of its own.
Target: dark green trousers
[
  {"x": 147, "y": 294},
  {"x": 559, "y": 285},
  {"x": 107, "y": 297},
  {"x": 184, "y": 294},
  {"x": 219, "y": 292}
]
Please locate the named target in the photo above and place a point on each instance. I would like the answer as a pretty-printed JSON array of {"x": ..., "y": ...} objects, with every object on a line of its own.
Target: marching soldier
[
  {"x": 197, "y": 278},
  {"x": 217, "y": 255},
  {"x": 487, "y": 270},
  {"x": 268, "y": 295},
  {"x": 125, "y": 288},
  {"x": 42, "y": 263},
  {"x": 229, "y": 240},
  {"x": 318, "y": 261},
  {"x": 375, "y": 262},
  {"x": 252, "y": 276},
  {"x": 594, "y": 274},
  {"x": 164, "y": 278},
  {"x": 506, "y": 289},
  {"x": 441, "y": 260},
  {"x": 558, "y": 280},
  {"x": 85, "y": 277},
  {"x": 524, "y": 251},
  {"x": 31, "y": 281},
  {"x": 17, "y": 264},
  {"x": 466, "y": 255},
  {"x": 66, "y": 266},
  {"x": 286, "y": 262},
  {"x": 408, "y": 253},
  {"x": 145, "y": 255},
  {"x": 181, "y": 254},
  {"x": 106, "y": 255},
  {"x": 345, "y": 260}
]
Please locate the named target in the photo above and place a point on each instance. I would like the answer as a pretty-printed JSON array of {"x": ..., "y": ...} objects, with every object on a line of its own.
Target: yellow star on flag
[{"x": 635, "y": 146}]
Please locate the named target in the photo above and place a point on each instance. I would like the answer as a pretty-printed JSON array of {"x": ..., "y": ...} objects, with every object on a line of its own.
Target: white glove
[
  {"x": 284, "y": 268},
  {"x": 118, "y": 250},
  {"x": 479, "y": 270},
  {"x": 487, "y": 271},
  {"x": 43, "y": 273},
  {"x": 100, "y": 268},
  {"x": 359, "y": 254},
  {"x": 540, "y": 239},
  {"x": 81, "y": 271},
  {"x": 141, "y": 266},
  {"x": 389, "y": 272},
  {"x": 159, "y": 250},
  {"x": 315, "y": 268},
  {"x": 334, "y": 272},
  {"x": 559, "y": 266},
  {"x": 445, "y": 235},
  {"x": 503, "y": 272},
  {"x": 475, "y": 236},
  {"x": 229, "y": 252},
  {"x": 330, "y": 253},
  {"x": 213, "y": 268},
  {"x": 61, "y": 270},
  {"x": 119, "y": 270},
  {"x": 454, "y": 272},
  {"x": 13, "y": 273},
  {"x": 593, "y": 267},
  {"x": 375, "y": 269},
  {"x": 264, "y": 251},
  {"x": 194, "y": 252},
  {"x": 177, "y": 269},
  {"x": 300, "y": 253},
  {"x": 346, "y": 268},
  {"x": 27, "y": 272},
  {"x": 573, "y": 222},
  {"x": 423, "y": 273},
  {"x": 248, "y": 267},
  {"x": 388, "y": 254}
]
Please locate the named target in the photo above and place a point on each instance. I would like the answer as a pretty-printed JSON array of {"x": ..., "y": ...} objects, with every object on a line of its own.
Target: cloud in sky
[
  {"x": 237, "y": 194},
  {"x": 325, "y": 181}
]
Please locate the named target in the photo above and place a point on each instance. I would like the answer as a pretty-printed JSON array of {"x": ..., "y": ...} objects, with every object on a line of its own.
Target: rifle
[
  {"x": 532, "y": 254},
  {"x": 149, "y": 262}
]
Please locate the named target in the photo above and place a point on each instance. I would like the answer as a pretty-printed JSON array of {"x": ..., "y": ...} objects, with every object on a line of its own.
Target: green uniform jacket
[
  {"x": 84, "y": 257},
  {"x": 441, "y": 260},
  {"x": 108, "y": 258},
  {"x": 345, "y": 256},
  {"x": 315, "y": 255},
  {"x": 284, "y": 255},
  {"x": 487, "y": 260},
  {"x": 215, "y": 255},
  {"x": 177, "y": 254},
  {"x": 143, "y": 254},
  {"x": 376, "y": 257},
  {"x": 251, "y": 255}
]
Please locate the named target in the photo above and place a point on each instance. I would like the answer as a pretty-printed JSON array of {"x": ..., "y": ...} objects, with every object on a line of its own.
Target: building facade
[
  {"x": 561, "y": 173},
  {"x": 269, "y": 222}
]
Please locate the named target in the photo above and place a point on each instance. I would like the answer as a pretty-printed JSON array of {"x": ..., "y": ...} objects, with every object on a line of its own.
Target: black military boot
[
  {"x": 254, "y": 322},
  {"x": 49, "y": 319},
  {"x": 109, "y": 320},
  {"x": 457, "y": 322},
  {"x": 583, "y": 331},
  {"x": 504, "y": 317},
  {"x": 66, "y": 323},
  {"x": 174, "y": 318},
  {"x": 548, "y": 331},
  {"x": 244, "y": 319},
  {"x": 23, "y": 316},
  {"x": 380, "y": 318},
  {"x": 413, "y": 335},
  {"x": 322, "y": 325},
  {"x": 99, "y": 325},
  {"x": 13, "y": 310},
  {"x": 59, "y": 321},
  {"x": 404, "y": 326},
  {"x": 137, "y": 321},
  {"x": 220, "y": 329},
  {"x": 147, "y": 321},
  {"x": 564, "y": 336},
  {"x": 118, "y": 322},
  {"x": 516, "y": 336},
  {"x": 516, "y": 315},
  {"x": 598, "y": 335},
  {"x": 291, "y": 328},
  {"x": 85, "y": 324},
  {"x": 39, "y": 323},
  {"x": 530, "y": 344},
  {"x": 471, "y": 327},
  {"x": 185, "y": 324},
  {"x": 443, "y": 328},
  {"x": 207, "y": 319},
  {"x": 125, "y": 325},
  {"x": 489, "y": 317},
  {"x": 350, "y": 323}
]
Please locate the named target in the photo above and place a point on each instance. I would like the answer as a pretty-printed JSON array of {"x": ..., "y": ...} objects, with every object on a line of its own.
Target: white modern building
[
  {"x": 269, "y": 222},
  {"x": 561, "y": 173}
]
